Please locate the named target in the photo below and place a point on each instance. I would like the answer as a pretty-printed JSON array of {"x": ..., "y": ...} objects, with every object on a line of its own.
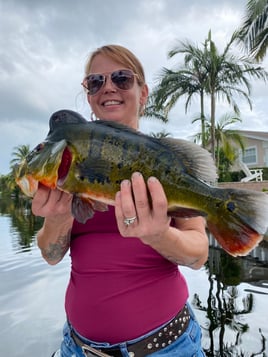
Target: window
[{"x": 250, "y": 156}]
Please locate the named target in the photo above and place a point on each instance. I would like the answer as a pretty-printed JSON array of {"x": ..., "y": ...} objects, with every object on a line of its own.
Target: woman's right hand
[
  {"x": 50, "y": 203},
  {"x": 53, "y": 238}
]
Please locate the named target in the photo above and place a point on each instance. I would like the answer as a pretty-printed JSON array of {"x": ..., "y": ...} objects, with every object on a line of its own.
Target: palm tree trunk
[
  {"x": 203, "y": 128},
  {"x": 212, "y": 127},
  {"x": 217, "y": 155}
]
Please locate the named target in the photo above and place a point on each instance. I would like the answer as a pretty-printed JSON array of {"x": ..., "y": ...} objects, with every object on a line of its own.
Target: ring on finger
[{"x": 130, "y": 220}]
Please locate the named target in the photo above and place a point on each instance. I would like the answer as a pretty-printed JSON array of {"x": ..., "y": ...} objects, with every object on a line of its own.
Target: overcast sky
[{"x": 44, "y": 46}]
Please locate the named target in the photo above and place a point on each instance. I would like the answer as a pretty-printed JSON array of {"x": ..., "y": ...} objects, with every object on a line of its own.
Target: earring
[
  {"x": 93, "y": 116},
  {"x": 141, "y": 110}
]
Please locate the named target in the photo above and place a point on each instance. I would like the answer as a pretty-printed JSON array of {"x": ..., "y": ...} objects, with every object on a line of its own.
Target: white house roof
[{"x": 257, "y": 135}]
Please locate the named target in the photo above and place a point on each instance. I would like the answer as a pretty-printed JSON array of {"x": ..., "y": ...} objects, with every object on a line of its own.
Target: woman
[{"x": 126, "y": 295}]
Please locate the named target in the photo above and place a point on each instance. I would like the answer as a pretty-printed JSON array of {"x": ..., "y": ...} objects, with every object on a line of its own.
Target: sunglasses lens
[
  {"x": 94, "y": 82},
  {"x": 123, "y": 79}
]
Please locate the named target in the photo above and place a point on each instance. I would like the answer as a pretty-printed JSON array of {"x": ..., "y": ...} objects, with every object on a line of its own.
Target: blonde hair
[{"x": 120, "y": 55}]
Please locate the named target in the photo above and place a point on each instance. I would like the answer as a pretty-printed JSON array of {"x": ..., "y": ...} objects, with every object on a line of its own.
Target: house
[{"x": 256, "y": 148}]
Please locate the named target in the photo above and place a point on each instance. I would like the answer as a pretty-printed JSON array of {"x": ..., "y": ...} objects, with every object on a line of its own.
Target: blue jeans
[{"x": 187, "y": 345}]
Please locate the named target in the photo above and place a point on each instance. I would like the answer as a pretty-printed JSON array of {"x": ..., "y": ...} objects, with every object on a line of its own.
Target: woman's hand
[
  {"x": 148, "y": 203},
  {"x": 51, "y": 203},
  {"x": 54, "y": 237},
  {"x": 185, "y": 243}
]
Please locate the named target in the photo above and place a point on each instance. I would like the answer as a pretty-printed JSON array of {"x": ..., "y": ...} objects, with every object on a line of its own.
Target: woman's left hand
[
  {"x": 185, "y": 243},
  {"x": 147, "y": 203}
]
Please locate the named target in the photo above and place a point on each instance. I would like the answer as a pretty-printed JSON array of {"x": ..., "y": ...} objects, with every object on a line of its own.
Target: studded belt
[{"x": 155, "y": 342}]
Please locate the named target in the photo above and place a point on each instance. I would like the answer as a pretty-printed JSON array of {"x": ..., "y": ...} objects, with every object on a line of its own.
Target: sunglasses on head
[{"x": 123, "y": 79}]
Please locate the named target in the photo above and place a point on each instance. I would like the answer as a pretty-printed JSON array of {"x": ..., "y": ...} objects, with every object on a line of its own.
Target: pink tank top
[{"x": 119, "y": 288}]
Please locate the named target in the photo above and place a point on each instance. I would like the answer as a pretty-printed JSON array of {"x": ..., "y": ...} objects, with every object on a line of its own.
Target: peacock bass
[{"x": 90, "y": 159}]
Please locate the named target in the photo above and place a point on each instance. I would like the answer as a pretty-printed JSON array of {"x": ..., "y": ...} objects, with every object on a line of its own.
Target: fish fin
[
  {"x": 116, "y": 125},
  {"x": 184, "y": 212},
  {"x": 99, "y": 206},
  {"x": 240, "y": 221},
  {"x": 65, "y": 116},
  {"x": 196, "y": 161},
  {"x": 84, "y": 208}
]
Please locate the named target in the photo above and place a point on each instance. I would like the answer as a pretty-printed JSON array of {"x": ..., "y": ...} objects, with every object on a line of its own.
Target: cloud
[{"x": 44, "y": 46}]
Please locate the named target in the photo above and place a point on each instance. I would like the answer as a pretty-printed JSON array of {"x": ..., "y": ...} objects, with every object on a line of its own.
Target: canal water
[{"x": 229, "y": 295}]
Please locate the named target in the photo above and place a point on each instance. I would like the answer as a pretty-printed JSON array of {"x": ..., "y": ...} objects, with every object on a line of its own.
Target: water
[
  {"x": 31, "y": 297},
  {"x": 229, "y": 296}
]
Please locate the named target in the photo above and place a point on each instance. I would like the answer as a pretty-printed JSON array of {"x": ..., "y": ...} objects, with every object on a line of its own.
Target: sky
[{"x": 44, "y": 46}]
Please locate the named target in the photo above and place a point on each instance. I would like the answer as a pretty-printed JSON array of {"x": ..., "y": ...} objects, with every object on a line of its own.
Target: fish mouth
[
  {"x": 64, "y": 167},
  {"x": 46, "y": 164},
  {"x": 28, "y": 185}
]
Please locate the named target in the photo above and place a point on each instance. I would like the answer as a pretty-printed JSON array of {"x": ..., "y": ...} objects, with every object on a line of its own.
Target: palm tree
[
  {"x": 207, "y": 72},
  {"x": 160, "y": 134},
  {"x": 19, "y": 154},
  {"x": 224, "y": 138},
  {"x": 188, "y": 80},
  {"x": 228, "y": 75},
  {"x": 151, "y": 111},
  {"x": 254, "y": 30}
]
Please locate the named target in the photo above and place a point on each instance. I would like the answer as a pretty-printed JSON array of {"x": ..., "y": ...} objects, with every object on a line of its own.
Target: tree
[
  {"x": 228, "y": 75},
  {"x": 160, "y": 134},
  {"x": 224, "y": 138},
  {"x": 19, "y": 154},
  {"x": 253, "y": 32},
  {"x": 207, "y": 72},
  {"x": 188, "y": 80},
  {"x": 152, "y": 112},
  {"x": 7, "y": 185}
]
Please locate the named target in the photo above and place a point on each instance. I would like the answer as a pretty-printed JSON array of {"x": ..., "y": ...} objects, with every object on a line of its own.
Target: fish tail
[{"x": 239, "y": 221}]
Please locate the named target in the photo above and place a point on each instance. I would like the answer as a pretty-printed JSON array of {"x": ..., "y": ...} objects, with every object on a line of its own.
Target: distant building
[{"x": 256, "y": 148}]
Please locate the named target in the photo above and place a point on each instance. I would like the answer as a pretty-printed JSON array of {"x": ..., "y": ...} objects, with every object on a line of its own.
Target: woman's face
[{"x": 112, "y": 103}]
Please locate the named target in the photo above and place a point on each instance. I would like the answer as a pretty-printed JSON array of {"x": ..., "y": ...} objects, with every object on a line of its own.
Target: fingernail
[
  {"x": 125, "y": 183},
  {"x": 152, "y": 179},
  {"x": 136, "y": 175}
]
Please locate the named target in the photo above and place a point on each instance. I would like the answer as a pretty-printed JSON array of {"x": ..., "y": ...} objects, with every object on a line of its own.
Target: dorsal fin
[
  {"x": 116, "y": 125},
  {"x": 197, "y": 161}
]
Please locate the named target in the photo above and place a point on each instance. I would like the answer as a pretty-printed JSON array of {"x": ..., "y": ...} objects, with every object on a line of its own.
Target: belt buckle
[{"x": 92, "y": 352}]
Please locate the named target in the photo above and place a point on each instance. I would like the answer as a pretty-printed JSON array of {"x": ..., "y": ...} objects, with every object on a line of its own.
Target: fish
[{"x": 89, "y": 159}]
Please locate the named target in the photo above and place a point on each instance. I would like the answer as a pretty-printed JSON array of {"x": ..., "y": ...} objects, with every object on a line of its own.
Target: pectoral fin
[{"x": 84, "y": 208}]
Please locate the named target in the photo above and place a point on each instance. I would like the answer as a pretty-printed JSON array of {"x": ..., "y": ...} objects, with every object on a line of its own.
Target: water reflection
[
  {"x": 228, "y": 323},
  {"x": 31, "y": 291},
  {"x": 23, "y": 223},
  {"x": 229, "y": 294},
  {"x": 226, "y": 317}
]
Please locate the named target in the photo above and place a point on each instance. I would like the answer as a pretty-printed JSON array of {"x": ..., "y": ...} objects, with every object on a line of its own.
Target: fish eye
[
  {"x": 39, "y": 147},
  {"x": 35, "y": 151}
]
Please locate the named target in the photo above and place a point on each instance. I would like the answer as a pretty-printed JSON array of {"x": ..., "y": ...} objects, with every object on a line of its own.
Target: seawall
[{"x": 250, "y": 185}]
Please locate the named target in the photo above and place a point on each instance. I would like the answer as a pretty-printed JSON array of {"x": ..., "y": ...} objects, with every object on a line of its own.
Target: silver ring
[{"x": 129, "y": 221}]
